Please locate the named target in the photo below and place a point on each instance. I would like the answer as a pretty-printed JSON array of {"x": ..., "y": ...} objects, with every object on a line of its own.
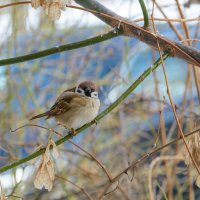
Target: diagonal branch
[
  {"x": 177, "y": 49},
  {"x": 145, "y": 74}
]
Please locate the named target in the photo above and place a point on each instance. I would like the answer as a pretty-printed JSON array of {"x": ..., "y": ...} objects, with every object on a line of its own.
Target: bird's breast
[{"x": 83, "y": 110}]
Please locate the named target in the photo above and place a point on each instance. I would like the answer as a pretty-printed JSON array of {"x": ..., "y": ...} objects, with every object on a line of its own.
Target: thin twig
[
  {"x": 173, "y": 106},
  {"x": 74, "y": 184},
  {"x": 94, "y": 158},
  {"x": 153, "y": 163},
  {"x": 145, "y": 156},
  {"x": 35, "y": 125}
]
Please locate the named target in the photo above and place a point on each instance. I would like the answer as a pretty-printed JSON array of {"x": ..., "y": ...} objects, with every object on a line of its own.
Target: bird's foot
[
  {"x": 72, "y": 131},
  {"x": 95, "y": 121}
]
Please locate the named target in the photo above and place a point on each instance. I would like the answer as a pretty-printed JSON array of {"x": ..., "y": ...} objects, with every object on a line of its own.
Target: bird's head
[{"x": 87, "y": 88}]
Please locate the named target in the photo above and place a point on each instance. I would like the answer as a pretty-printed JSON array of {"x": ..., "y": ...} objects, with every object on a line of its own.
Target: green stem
[
  {"x": 145, "y": 13},
  {"x": 101, "y": 115},
  {"x": 67, "y": 47}
]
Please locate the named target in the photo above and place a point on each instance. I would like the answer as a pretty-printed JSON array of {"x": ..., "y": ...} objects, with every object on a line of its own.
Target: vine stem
[
  {"x": 61, "y": 48},
  {"x": 145, "y": 13}
]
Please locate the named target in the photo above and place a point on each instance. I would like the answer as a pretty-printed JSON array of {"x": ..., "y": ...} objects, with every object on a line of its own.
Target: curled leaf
[
  {"x": 45, "y": 173},
  {"x": 45, "y": 176}
]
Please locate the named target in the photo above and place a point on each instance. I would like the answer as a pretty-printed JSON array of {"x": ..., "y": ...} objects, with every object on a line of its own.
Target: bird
[{"x": 75, "y": 107}]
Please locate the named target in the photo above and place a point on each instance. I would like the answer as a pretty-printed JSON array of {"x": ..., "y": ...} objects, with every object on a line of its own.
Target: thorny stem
[{"x": 145, "y": 74}]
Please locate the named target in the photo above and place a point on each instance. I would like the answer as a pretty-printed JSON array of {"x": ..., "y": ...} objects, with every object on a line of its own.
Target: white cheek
[{"x": 94, "y": 95}]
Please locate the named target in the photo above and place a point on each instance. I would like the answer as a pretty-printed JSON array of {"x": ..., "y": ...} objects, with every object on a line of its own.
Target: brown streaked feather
[
  {"x": 59, "y": 107},
  {"x": 62, "y": 104},
  {"x": 65, "y": 102},
  {"x": 40, "y": 115}
]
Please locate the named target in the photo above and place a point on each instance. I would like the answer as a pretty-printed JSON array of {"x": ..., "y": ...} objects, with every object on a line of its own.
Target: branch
[
  {"x": 177, "y": 49},
  {"x": 100, "y": 116},
  {"x": 142, "y": 158},
  {"x": 77, "y": 186},
  {"x": 67, "y": 47}
]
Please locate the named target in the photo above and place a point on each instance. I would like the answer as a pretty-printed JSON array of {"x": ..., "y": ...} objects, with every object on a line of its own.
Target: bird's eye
[{"x": 79, "y": 91}]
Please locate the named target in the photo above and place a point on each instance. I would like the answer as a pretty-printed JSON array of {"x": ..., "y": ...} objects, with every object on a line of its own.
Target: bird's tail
[{"x": 46, "y": 114}]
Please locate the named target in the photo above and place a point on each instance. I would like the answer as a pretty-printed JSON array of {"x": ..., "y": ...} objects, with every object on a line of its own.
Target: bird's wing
[
  {"x": 61, "y": 105},
  {"x": 66, "y": 101}
]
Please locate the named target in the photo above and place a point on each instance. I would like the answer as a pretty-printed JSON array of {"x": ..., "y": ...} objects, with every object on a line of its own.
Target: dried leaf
[
  {"x": 55, "y": 152},
  {"x": 35, "y": 3},
  {"x": 194, "y": 145},
  {"x": 198, "y": 181},
  {"x": 3, "y": 197},
  {"x": 45, "y": 174},
  {"x": 51, "y": 7},
  {"x": 54, "y": 11}
]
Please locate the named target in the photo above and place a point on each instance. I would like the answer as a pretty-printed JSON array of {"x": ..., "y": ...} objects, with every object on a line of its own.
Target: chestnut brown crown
[{"x": 88, "y": 89}]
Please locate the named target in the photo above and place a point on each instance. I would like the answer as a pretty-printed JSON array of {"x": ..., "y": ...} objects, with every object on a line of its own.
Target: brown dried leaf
[
  {"x": 35, "y": 3},
  {"x": 198, "y": 181},
  {"x": 194, "y": 145},
  {"x": 3, "y": 197},
  {"x": 55, "y": 152},
  {"x": 54, "y": 11},
  {"x": 45, "y": 174}
]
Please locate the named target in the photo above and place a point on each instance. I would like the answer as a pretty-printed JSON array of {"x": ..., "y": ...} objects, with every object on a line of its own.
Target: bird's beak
[{"x": 87, "y": 91}]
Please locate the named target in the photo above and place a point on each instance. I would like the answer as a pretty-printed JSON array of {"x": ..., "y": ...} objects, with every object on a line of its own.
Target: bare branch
[{"x": 175, "y": 48}]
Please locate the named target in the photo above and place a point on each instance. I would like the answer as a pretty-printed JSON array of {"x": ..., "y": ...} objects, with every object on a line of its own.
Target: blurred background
[{"x": 122, "y": 136}]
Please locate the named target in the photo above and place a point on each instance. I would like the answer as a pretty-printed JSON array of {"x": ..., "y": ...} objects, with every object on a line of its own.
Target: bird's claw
[
  {"x": 95, "y": 121},
  {"x": 72, "y": 131}
]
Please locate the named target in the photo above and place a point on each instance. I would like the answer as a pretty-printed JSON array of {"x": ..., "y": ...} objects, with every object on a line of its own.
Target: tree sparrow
[{"x": 75, "y": 107}]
